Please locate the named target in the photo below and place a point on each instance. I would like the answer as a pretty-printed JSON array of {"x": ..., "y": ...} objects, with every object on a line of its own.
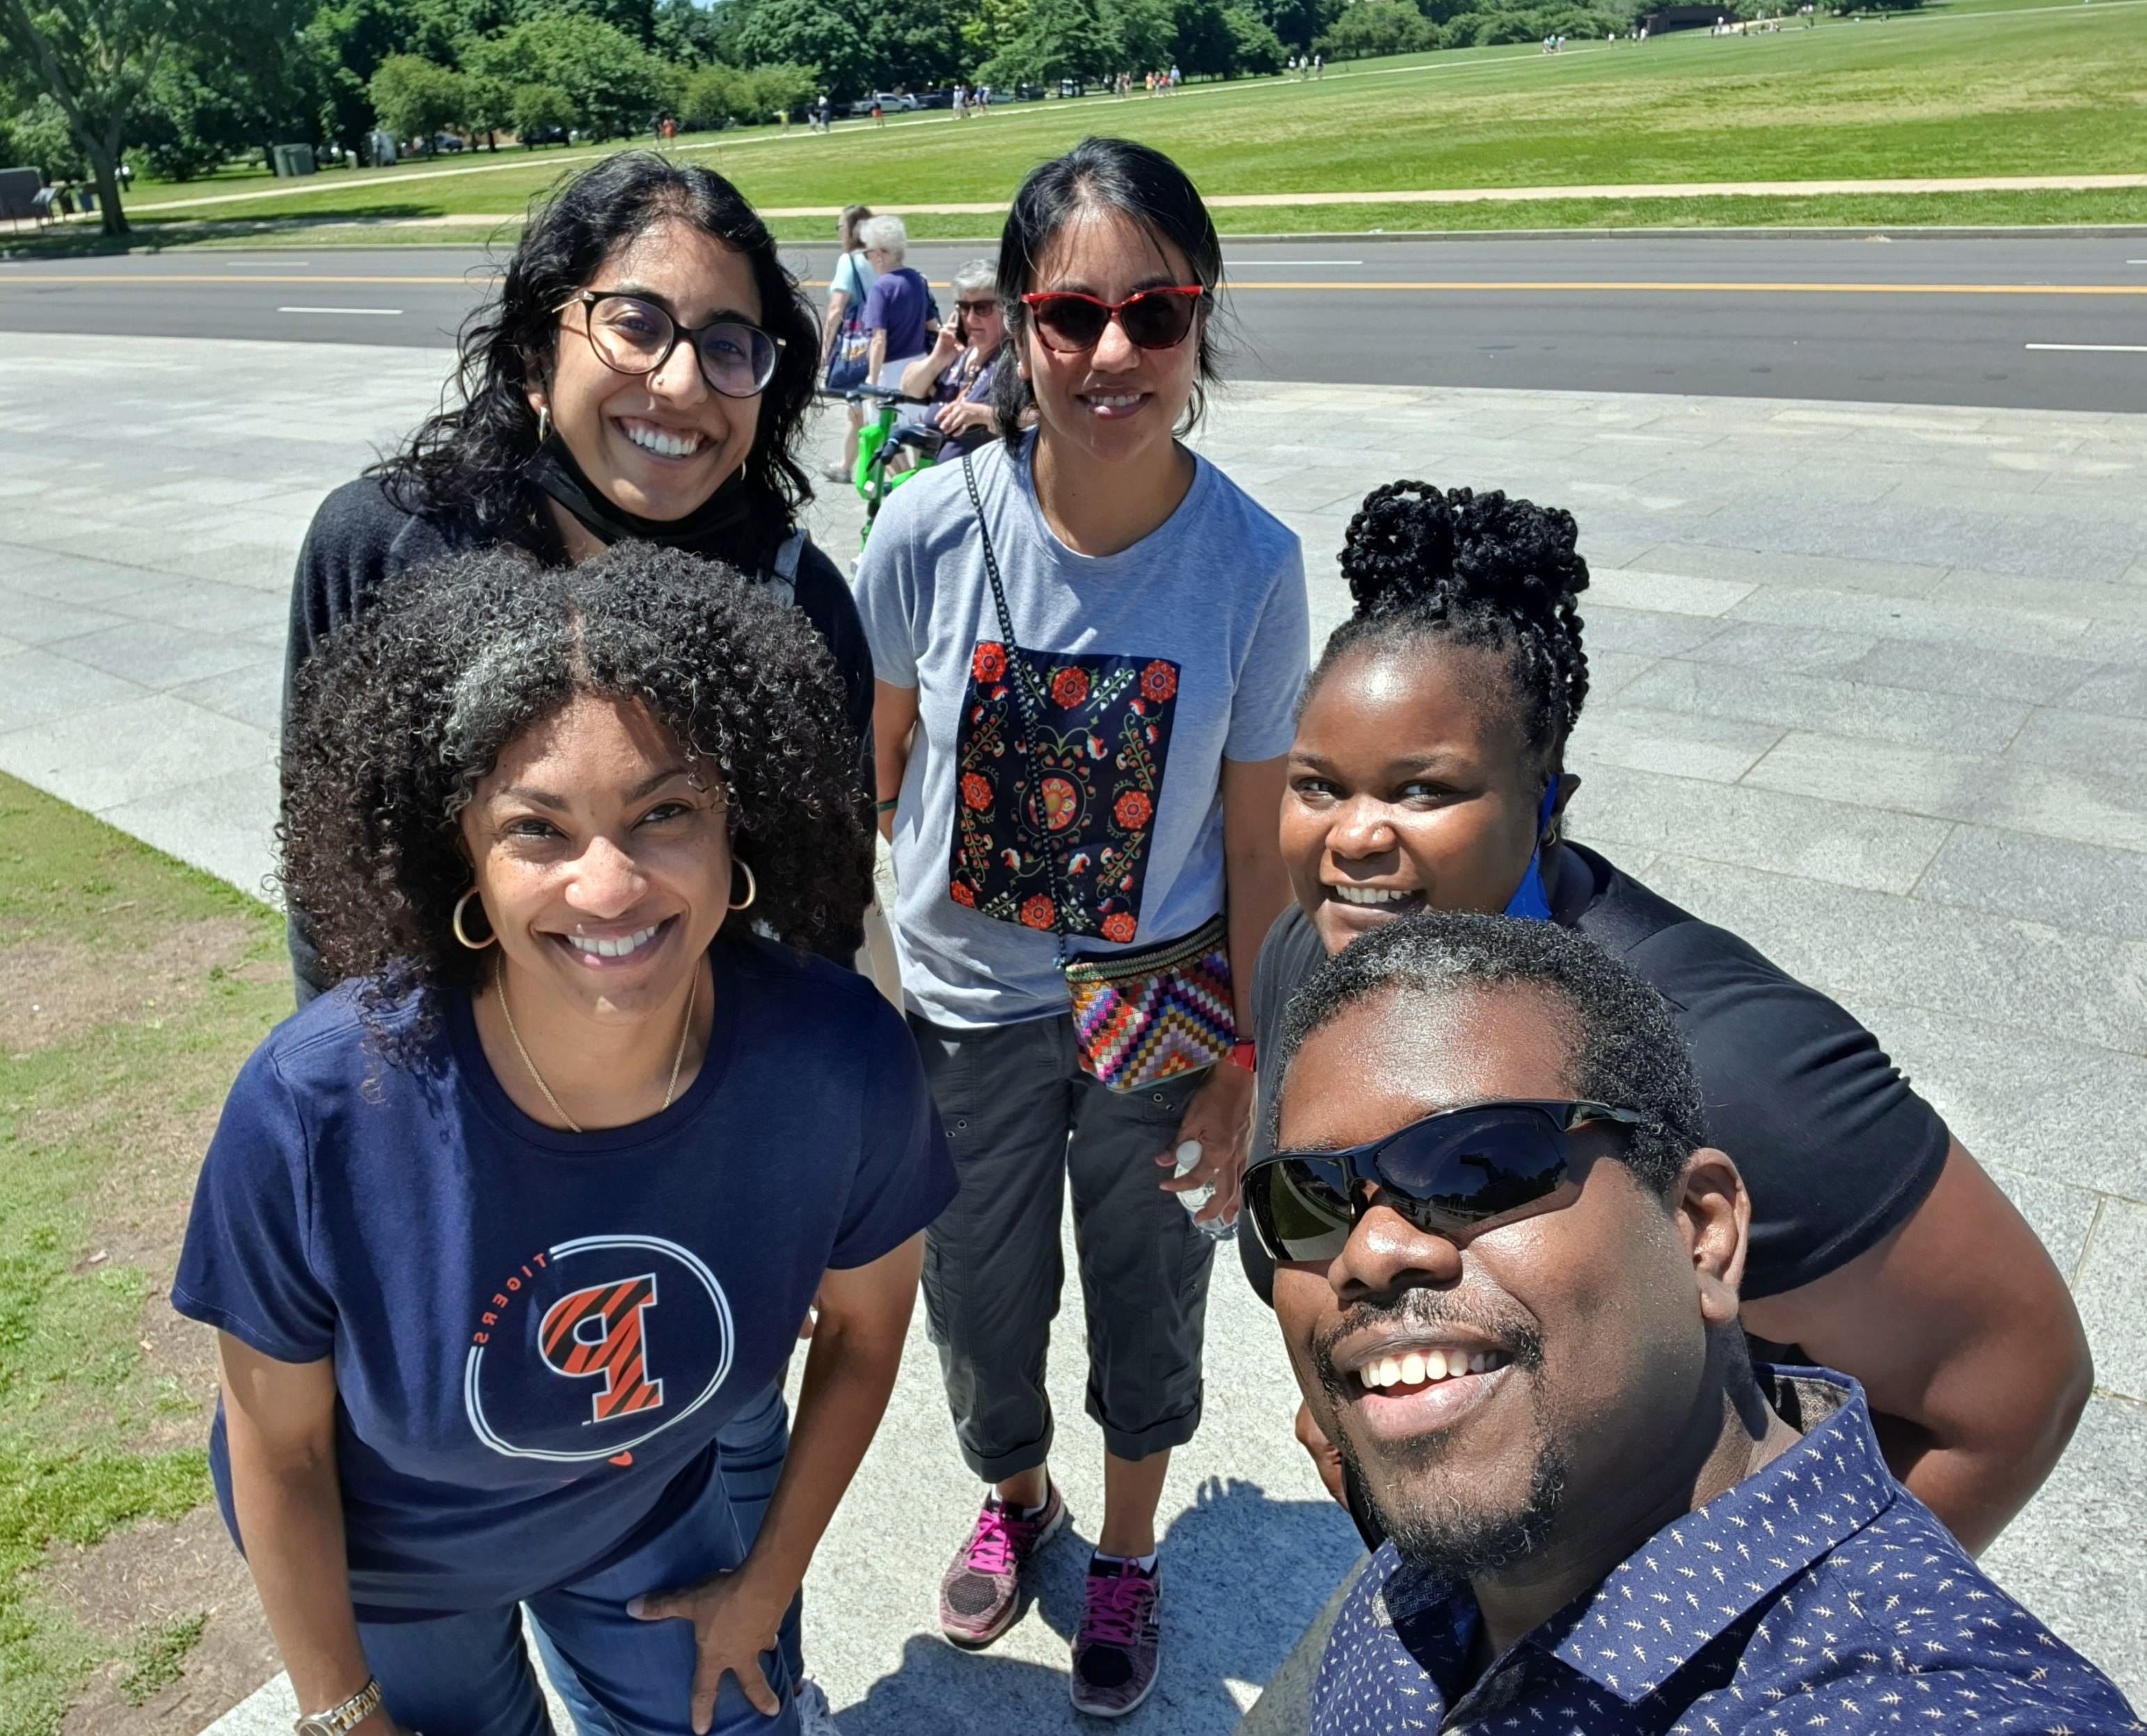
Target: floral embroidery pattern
[{"x": 1084, "y": 795}]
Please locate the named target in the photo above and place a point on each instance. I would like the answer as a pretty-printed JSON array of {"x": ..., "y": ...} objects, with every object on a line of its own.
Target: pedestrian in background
[
  {"x": 960, "y": 373},
  {"x": 844, "y": 339},
  {"x": 1090, "y": 643},
  {"x": 900, "y": 317}
]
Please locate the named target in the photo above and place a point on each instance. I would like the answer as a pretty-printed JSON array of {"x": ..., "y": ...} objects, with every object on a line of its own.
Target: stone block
[
  {"x": 1791, "y": 650},
  {"x": 2080, "y": 739},
  {"x": 127, "y": 752},
  {"x": 155, "y": 654},
  {"x": 1911, "y": 617},
  {"x": 207, "y": 605},
  {"x": 1643, "y": 631},
  {"x": 1950, "y": 667},
  {"x": 1680, "y": 744},
  {"x": 1625, "y": 810},
  {"x": 1858, "y": 944},
  {"x": 1959, "y": 722},
  {"x": 41, "y": 686},
  {"x": 252, "y": 693},
  {"x": 2114, "y": 690},
  {"x": 2111, "y": 1292},
  {"x": 224, "y": 825},
  {"x": 2037, "y": 1103},
  {"x": 2077, "y": 1555},
  {"x": 34, "y": 620},
  {"x": 1670, "y": 593},
  {"x": 2074, "y": 885}
]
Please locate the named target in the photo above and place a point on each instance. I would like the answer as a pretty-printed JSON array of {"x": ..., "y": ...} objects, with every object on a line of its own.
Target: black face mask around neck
[{"x": 732, "y": 525}]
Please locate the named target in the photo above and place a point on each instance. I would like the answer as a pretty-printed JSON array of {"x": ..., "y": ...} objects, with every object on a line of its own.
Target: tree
[
  {"x": 540, "y": 108},
  {"x": 1298, "y": 24},
  {"x": 1147, "y": 30},
  {"x": 686, "y": 32},
  {"x": 1254, "y": 47},
  {"x": 615, "y": 85},
  {"x": 414, "y": 98},
  {"x": 807, "y": 33},
  {"x": 348, "y": 39},
  {"x": 95, "y": 58},
  {"x": 44, "y": 140},
  {"x": 1378, "y": 27},
  {"x": 1061, "y": 39},
  {"x": 714, "y": 96},
  {"x": 780, "y": 88},
  {"x": 912, "y": 45}
]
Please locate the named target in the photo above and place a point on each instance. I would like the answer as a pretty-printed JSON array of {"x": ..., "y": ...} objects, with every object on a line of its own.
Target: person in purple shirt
[
  {"x": 1507, "y": 1273},
  {"x": 899, "y": 311},
  {"x": 500, "y": 1237}
]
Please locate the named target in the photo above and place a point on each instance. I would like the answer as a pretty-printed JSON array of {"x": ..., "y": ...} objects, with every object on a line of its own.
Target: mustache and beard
[{"x": 1429, "y": 1505}]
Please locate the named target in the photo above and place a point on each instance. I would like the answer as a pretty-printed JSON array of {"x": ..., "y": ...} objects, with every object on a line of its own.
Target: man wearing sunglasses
[{"x": 1507, "y": 1271}]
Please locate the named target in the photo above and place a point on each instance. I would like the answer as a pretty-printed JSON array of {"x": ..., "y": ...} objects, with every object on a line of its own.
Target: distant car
[
  {"x": 546, "y": 136},
  {"x": 936, "y": 99},
  {"x": 890, "y": 102},
  {"x": 446, "y": 142}
]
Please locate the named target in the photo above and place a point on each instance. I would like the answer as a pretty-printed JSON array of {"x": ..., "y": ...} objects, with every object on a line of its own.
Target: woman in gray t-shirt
[{"x": 1099, "y": 774}]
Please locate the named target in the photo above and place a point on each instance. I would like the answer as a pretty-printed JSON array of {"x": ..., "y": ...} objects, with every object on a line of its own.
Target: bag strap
[{"x": 1018, "y": 677}]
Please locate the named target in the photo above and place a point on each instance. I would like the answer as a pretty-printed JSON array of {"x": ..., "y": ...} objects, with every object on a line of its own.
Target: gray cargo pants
[{"x": 1022, "y": 1118}]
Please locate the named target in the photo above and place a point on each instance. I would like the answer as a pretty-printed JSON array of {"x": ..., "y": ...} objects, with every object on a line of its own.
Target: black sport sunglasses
[
  {"x": 1454, "y": 1174},
  {"x": 1069, "y": 322}
]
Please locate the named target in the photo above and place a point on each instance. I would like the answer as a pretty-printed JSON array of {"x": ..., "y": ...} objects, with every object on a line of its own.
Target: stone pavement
[{"x": 1871, "y": 687}]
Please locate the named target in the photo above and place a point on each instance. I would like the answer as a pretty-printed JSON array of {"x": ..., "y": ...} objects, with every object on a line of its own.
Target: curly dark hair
[
  {"x": 469, "y": 460},
  {"x": 405, "y": 709},
  {"x": 1139, "y": 182},
  {"x": 1626, "y": 1048},
  {"x": 1482, "y": 570}
]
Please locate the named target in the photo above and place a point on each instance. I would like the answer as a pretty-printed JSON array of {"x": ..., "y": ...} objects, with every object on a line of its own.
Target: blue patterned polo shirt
[{"x": 1817, "y": 1598}]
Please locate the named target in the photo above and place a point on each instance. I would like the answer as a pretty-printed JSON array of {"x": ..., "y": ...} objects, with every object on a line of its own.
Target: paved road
[{"x": 1907, "y": 321}]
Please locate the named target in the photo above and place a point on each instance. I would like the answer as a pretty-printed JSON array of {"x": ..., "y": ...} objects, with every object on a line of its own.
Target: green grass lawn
[
  {"x": 2003, "y": 90},
  {"x": 131, "y": 988}
]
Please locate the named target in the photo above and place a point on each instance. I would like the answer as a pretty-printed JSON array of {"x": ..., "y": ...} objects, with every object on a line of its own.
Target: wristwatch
[{"x": 340, "y": 1720}]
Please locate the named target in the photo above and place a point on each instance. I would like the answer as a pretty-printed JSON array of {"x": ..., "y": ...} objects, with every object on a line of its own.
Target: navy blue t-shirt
[{"x": 537, "y": 1333}]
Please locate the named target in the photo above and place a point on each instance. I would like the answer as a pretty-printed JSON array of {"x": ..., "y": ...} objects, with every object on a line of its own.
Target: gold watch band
[{"x": 339, "y": 1720}]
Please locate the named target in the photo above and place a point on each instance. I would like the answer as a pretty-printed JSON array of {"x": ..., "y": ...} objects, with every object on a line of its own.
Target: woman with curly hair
[
  {"x": 1088, "y": 642},
  {"x": 643, "y": 370},
  {"x": 1429, "y": 772},
  {"x": 498, "y": 1238}
]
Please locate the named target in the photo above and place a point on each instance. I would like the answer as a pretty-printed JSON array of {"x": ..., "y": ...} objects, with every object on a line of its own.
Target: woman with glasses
[
  {"x": 957, "y": 375},
  {"x": 1428, "y": 773},
  {"x": 642, "y": 373},
  {"x": 1088, "y": 643},
  {"x": 504, "y": 1240}
]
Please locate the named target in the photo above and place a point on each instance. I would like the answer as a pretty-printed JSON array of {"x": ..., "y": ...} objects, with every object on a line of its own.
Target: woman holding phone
[
  {"x": 1088, "y": 643},
  {"x": 959, "y": 375}
]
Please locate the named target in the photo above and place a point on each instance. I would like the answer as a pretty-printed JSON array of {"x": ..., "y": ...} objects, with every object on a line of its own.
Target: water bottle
[{"x": 1193, "y": 1198}]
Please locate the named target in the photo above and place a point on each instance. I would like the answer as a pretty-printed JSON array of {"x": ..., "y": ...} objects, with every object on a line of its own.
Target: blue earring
[{"x": 1529, "y": 899}]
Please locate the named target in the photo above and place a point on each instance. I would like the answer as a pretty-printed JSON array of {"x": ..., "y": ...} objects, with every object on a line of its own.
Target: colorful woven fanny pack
[{"x": 1141, "y": 1017}]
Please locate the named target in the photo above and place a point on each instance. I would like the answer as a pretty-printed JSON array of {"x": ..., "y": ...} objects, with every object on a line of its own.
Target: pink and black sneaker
[
  {"x": 1119, "y": 1648},
  {"x": 981, "y": 1596}
]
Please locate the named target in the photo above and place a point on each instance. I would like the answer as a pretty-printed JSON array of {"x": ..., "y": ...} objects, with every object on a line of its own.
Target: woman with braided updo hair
[{"x": 1428, "y": 773}]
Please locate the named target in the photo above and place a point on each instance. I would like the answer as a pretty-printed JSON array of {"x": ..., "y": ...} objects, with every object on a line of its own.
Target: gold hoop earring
[
  {"x": 752, "y": 885},
  {"x": 543, "y": 424},
  {"x": 461, "y": 934}
]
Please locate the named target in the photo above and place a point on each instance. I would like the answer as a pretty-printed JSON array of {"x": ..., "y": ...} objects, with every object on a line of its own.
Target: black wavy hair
[
  {"x": 1479, "y": 570},
  {"x": 1626, "y": 1049},
  {"x": 468, "y": 460},
  {"x": 401, "y": 712},
  {"x": 1137, "y": 181}
]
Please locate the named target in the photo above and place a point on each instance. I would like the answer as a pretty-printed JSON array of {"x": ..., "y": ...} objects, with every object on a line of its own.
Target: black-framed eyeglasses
[
  {"x": 1069, "y": 322},
  {"x": 633, "y": 335},
  {"x": 1455, "y": 1175}
]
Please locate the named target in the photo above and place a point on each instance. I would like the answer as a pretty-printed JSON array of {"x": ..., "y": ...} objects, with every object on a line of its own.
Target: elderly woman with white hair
[
  {"x": 899, "y": 314},
  {"x": 956, "y": 376}
]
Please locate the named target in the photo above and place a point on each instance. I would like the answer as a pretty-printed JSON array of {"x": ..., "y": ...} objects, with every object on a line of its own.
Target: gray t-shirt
[{"x": 1149, "y": 667}]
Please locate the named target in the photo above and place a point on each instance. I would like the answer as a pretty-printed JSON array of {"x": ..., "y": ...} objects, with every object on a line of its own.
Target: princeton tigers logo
[
  {"x": 594, "y": 1346},
  {"x": 596, "y": 1333}
]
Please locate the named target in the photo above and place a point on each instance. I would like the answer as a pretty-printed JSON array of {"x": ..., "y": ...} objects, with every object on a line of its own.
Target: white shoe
[{"x": 813, "y": 1717}]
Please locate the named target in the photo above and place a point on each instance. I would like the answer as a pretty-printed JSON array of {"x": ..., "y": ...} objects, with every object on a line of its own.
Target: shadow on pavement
[{"x": 1242, "y": 1575}]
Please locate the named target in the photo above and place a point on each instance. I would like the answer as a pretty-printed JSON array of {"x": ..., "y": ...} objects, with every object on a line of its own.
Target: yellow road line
[{"x": 1453, "y": 285}]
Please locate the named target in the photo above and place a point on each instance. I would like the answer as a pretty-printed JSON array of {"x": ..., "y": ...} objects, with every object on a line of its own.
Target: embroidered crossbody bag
[{"x": 1138, "y": 1018}]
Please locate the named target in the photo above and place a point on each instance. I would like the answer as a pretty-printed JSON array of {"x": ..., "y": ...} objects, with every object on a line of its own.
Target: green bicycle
[{"x": 882, "y": 440}]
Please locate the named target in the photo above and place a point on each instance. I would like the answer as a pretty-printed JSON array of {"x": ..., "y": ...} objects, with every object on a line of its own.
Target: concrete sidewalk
[{"x": 1870, "y": 686}]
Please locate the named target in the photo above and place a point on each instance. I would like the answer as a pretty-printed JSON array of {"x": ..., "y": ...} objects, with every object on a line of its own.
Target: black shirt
[
  {"x": 1836, "y": 1149},
  {"x": 361, "y": 537}
]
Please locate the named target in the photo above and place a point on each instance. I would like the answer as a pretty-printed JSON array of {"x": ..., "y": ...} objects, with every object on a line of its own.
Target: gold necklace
[{"x": 671, "y": 1090}]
